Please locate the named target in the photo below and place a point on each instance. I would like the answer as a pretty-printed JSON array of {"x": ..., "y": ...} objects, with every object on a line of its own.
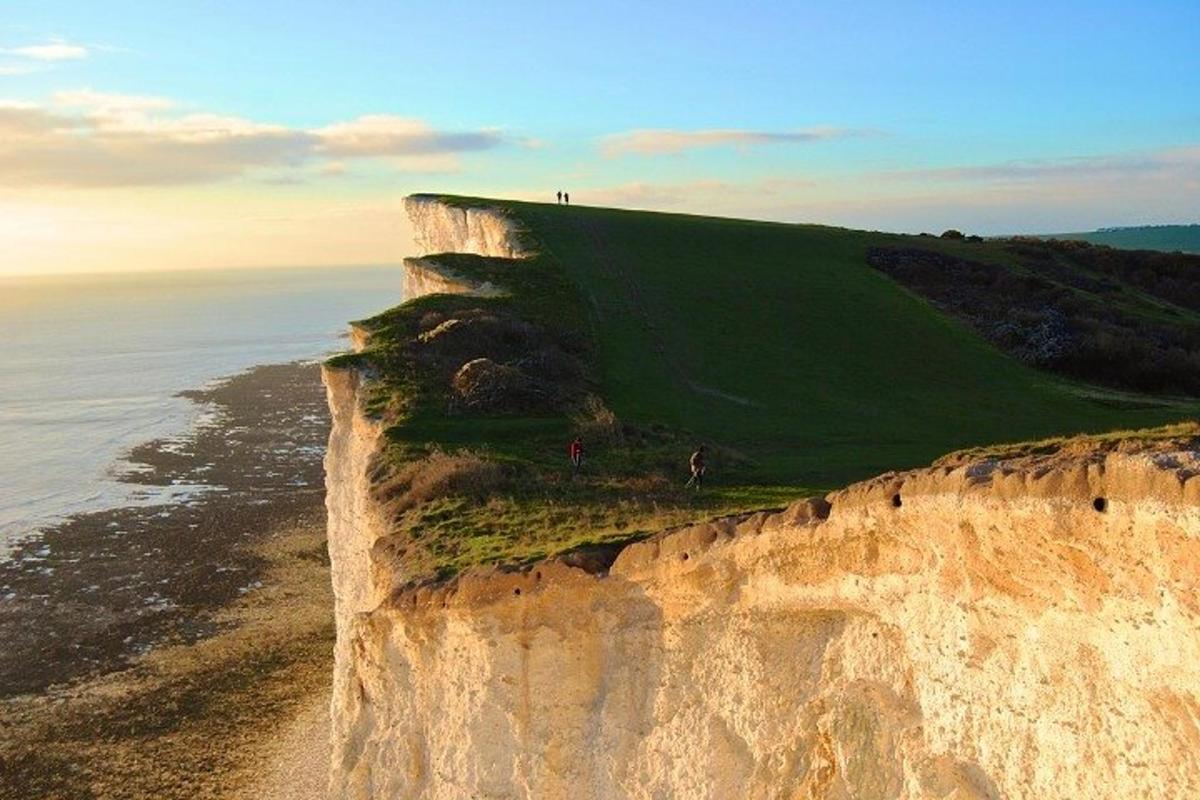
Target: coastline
[{"x": 159, "y": 651}]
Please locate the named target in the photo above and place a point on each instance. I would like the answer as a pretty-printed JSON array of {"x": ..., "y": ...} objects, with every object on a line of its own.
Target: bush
[
  {"x": 483, "y": 385},
  {"x": 596, "y": 424}
]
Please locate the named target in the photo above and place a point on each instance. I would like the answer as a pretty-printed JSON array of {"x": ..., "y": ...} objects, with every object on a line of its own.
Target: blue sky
[{"x": 992, "y": 117}]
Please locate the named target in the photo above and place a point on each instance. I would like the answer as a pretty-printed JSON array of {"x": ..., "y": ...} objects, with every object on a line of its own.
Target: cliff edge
[{"x": 1017, "y": 623}]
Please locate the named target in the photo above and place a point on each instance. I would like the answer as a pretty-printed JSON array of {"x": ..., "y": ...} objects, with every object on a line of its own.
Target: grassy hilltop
[{"x": 800, "y": 365}]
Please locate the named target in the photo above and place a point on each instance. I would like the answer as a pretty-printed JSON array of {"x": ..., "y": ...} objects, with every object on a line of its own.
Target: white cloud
[
  {"x": 387, "y": 135},
  {"x": 55, "y": 50},
  {"x": 1179, "y": 162},
  {"x": 1148, "y": 187},
  {"x": 18, "y": 69},
  {"x": 86, "y": 138},
  {"x": 668, "y": 141},
  {"x": 107, "y": 102}
]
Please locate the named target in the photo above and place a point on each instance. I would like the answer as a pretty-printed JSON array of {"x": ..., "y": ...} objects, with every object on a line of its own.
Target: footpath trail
[
  {"x": 296, "y": 764},
  {"x": 671, "y": 345}
]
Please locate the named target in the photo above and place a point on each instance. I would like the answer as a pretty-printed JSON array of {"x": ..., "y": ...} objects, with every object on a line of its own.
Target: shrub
[{"x": 596, "y": 424}]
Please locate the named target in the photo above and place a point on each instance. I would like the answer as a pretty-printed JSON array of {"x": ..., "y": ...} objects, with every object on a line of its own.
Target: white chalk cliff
[
  {"x": 442, "y": 227},
  {"x": 424, "y": 276},
  {"x": 1020, "y": 628}
]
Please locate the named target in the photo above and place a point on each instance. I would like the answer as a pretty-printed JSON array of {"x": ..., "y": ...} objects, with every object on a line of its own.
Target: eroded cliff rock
[
  {"x": 995, "y": 629},
  {"x": 424, "y": 276},
  {"x": 443, "y": 227}
]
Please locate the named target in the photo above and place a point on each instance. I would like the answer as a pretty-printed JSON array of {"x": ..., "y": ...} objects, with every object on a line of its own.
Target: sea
[{"x": 91, "y": 366}]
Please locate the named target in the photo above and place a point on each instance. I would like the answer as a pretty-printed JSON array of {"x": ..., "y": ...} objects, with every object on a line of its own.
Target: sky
[{"x": 172, "y": 135}]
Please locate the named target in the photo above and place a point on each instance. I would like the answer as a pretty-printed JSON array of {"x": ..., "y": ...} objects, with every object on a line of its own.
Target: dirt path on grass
[{"x": 650, "y": 320}]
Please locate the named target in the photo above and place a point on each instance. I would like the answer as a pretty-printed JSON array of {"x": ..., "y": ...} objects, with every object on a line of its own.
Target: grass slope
[
  {"x": 801, "y": 366},
  {"x": 779, "y": 341}
]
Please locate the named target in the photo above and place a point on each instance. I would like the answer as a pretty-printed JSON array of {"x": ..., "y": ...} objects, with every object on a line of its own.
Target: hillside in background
[
  {"x": 1167, "y": 238},
  {"x": 1126, "y": 319}
]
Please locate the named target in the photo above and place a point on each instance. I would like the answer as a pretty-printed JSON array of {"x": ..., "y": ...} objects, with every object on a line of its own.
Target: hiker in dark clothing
[
  {"x": 560, "y": 198},
  {"x": 698, "y": 466},
  {"x": 576, "y": 452},
  {"x": 567, "y": 198}
]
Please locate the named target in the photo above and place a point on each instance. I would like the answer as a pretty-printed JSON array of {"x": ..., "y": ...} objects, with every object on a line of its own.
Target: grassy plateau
[{"x": 777, "y": 345}]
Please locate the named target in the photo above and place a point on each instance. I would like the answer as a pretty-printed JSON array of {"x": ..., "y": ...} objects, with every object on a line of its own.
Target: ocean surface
[{"x": 91, "y": 366}]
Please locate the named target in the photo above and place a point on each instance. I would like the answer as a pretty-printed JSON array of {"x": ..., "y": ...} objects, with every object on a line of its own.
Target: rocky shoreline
[{"x": 131, "y": 630}]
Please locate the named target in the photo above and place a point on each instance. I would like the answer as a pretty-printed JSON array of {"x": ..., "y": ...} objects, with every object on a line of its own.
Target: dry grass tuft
[{"x": 439, "y": 475}]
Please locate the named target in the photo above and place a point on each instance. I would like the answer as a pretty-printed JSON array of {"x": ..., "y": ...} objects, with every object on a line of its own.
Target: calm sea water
[{"x": 90, "y": 366}]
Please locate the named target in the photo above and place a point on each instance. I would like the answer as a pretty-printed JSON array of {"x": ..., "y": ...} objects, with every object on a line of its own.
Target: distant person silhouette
[
  {"x": 696, "y": 462},
  {"x": 566, "y": 198},
  {"x": 560, "y": 198}
]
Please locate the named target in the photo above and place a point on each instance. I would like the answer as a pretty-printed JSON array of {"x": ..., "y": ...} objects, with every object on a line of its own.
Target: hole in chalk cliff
[
  {"x": 1100, "y": 504},
  {"x": 516, "y": 591},
  {"x": 896, "y": 501},
  {"x": 684, "y": 556},
  {"x": 537, "y": 576}
]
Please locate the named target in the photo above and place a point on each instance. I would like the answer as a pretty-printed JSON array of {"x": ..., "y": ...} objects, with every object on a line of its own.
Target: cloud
[
  {"x": 85, "y": 138},
  {"x": 1011, "y": 197},
  {"x": 714, "y": 195},
  {"x": 387, "y": 135},
  {"x": 54, "y": 50},
  {"x": 18, "y": 69},
  {"x": 1178, "y": 162},
  {"x": 108, "y": 103},
  {"x": 666, "y": 141}
]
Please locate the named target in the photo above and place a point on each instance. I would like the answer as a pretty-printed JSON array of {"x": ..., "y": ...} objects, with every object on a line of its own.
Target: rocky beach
[{"x": 154, "y": 650}]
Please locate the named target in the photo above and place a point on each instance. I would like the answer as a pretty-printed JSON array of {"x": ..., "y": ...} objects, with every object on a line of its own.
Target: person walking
[
  {"x": 566, "y": 198},
  {"x": 697, "y": 463},
  {"x": 560, "y": 197},
  {"x": 576, "y": 452}
]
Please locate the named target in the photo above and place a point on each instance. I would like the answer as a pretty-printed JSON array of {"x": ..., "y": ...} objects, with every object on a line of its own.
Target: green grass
[
  {"x": 838, "y": 372},
  {"x": 777, "y": 345}
]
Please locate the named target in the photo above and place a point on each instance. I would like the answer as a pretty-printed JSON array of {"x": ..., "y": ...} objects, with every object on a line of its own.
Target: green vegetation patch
[
  {"x": 1128, "y": 320},
  {"x": 778, "y": 346}
]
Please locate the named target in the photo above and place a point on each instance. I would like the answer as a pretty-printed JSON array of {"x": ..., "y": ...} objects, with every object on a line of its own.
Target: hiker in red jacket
[{"x": 576, "y": 452}]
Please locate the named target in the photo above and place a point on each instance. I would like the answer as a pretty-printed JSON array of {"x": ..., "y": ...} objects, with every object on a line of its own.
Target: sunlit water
[{"x": 90, "y": 366}]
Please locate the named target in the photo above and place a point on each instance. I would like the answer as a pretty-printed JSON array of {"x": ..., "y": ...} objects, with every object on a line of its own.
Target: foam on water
[{"x": 91, "y": 366}]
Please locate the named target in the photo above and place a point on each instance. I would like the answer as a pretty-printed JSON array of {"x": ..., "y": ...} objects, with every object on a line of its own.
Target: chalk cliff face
[
  {"x": 1018, "y": 628},
  {"x": 444, "y": 228},
  {"x": 424, "y": 276}
]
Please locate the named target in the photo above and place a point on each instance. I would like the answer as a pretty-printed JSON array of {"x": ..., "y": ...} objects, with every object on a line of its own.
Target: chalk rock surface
[
  {"x": 442, "y": 227},
  {"x": 992, "y": 629},
  {"x": 424, "y": 276}
]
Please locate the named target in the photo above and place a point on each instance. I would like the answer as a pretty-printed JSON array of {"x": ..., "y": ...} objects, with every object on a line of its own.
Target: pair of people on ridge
[
  {"x": 564, "y": 198},
  {"x": 697, "y": 463}
]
